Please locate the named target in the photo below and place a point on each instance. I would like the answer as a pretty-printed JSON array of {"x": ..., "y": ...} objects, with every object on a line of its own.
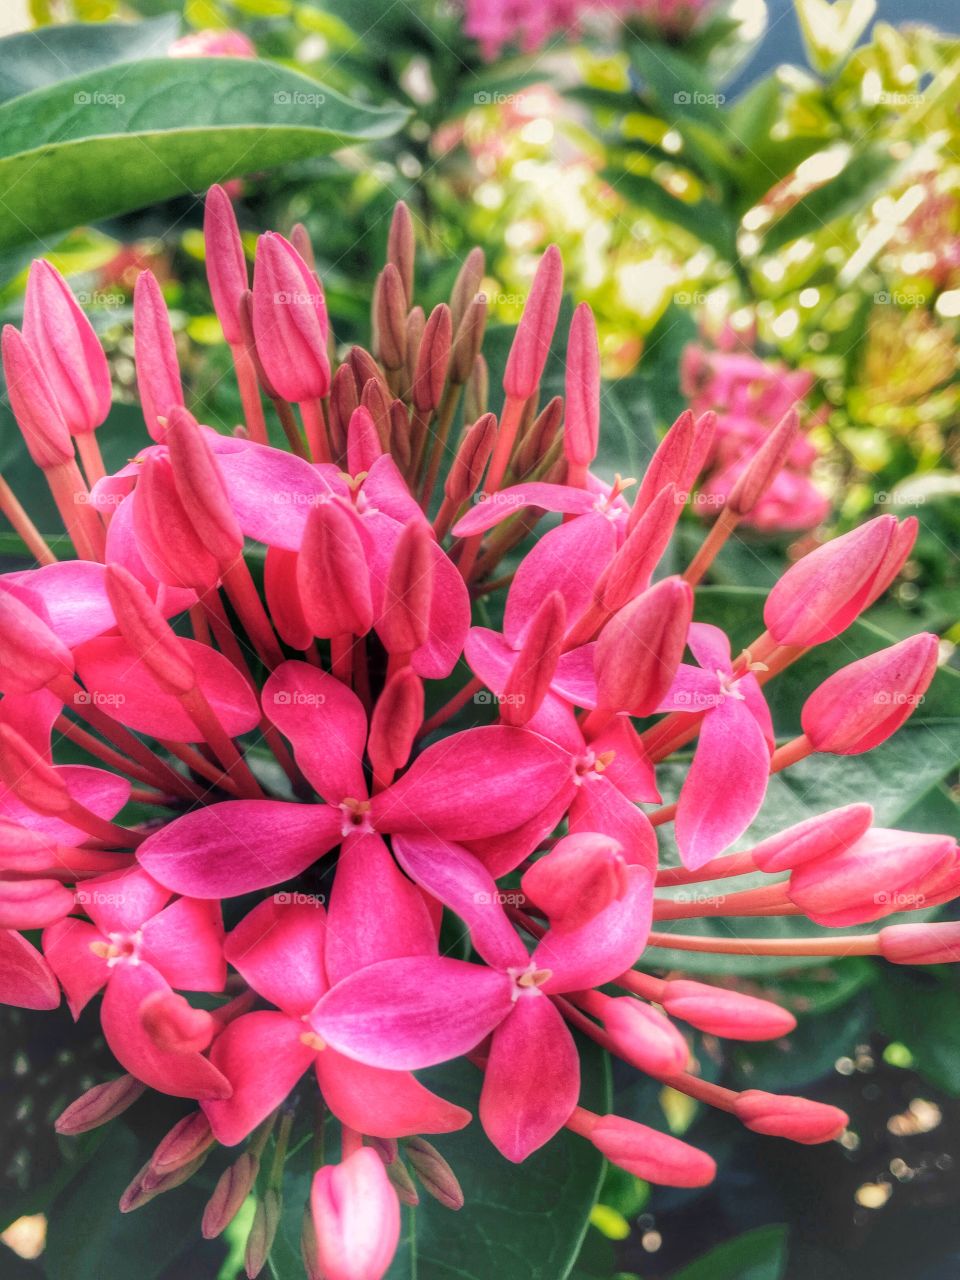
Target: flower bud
[
  {"x": 390, "y": 318},
  {"x": 402, "y": 247},
  {"x": 820, "y": 595},
  {"x": 28, "y": 775},
  {"x": 640, "y": 648},
  {"x": 577, "y": 879},
  {"x": 531, "y": 342},
  {"x": 226, "y": 262},
  {"x": 378, "y": 402},
  {"x": 539, "y": 438},
  {"x": 332, "y": 573},
  {"x": 147, "y": 631},
  {"x": 433, "y": 358},
  {"x": 434, "y": 1172},
  {"x": 201, "y": 488},
  {"x": 466, "y": 470},
  {"x": 364, "y": 366},
  {"x": 146, "y": 1186},
  {"x": 234, "y": 1185},
  {"x": 937, "y": 943},
  {"x": 300, "y": 239},
  {"x": 344, "y": 398},
  {"x": 99, "y": 1105},
  {"x": 357, "y": 1218},
  {"x": 363, "y": 441},
  {"x": 821, "y": 836},
  {"x": 62, "y": 338},
  {"x": 188, "y": 1139},
  {"x": 642, "y": 1036},
  {"x": 404, "y": 621},
  {"x": 466, "y": 287},
  {"x": 630, "y": 570},
  {"x": 174, "y": 1025},
  {"x": 402, "y": 1183},
  {"x": 701, "y": 443},
  {"x": 651, "y": 1155},
  {"x": 283, "y": 598},
  {"x": 468, "y": 340},
  {"x": 581, "y": 431},
  {"x": 31, "y": 654},
  {"x": 290, "y": 321},
  {"x": 416, "y": 323},
  {"x": 33, "y": 904},
  {"x": 764, "y": 467},
  {"x": 155, "y": 355},
  {"x": 877, "y": 875},
  {"x": 34, "y": 404},
  {"x": 721, "y": 1012},
  {"x": 266, "y": 1220},
  {"x": 476, "y": 395},
  {"x": 529, "y": 680},
  {"x": 396, "y": 720},
  {"x": 862, "y": 704},
  {"x": 797, "y": 1119},
  {"x": 667, "y": 466},
  {"x": 166, "y": 538}
]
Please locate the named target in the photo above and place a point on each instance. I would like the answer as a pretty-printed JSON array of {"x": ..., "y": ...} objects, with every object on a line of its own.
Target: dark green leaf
[{"x": 757, "y": 1255}]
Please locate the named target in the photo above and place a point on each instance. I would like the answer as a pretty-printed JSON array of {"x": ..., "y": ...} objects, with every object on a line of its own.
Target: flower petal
[
  {"x": 66, "y": 946},
  {"x": 384, "y": 1104},
  {"x": 278, "y": 949},
  {"x": 263, "y": 1056},
  {"x": 499, "y": 506},
  {"x": 568, "y": 559},
  {"x": 184, "y": 942},
  {"x": 326, "y": 725},
  {"x": 26, "y": 979}
]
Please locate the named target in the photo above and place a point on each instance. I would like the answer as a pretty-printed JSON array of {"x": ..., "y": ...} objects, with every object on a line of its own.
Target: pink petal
[
  {"x": 489, "y": 656},
  {"x": 575, "y": 678},
  {"x": 405, "y": 1014},
  {"x": 600, "y": 806},
  {"x": 66, "y": 946},
  {"x": 725, "y": 786},
  {"x": 74, "y": 597},
  {"x": 183, "y": 1074},
  {"x": 263, "y": 1056},
  {"x": 124, "y": 549},
  {"x": 507, "y": 502},
  {"x": 121, "y": 901},
  {"x": 568, "y": 559},
  {"x": 605, "y": 946},
  {"x": 33, "y": 716},
  {"x": 631, "y": 771},
  {"x": 386, "y": 489},
  {"x": 326, "y": 725},
  {"x": 26, "y": 979},
  {"x": 693, "y": 690},
  {"x": 473, "y": 784},
  {"x": 753, "y": 698},
  {"x": 376, "y": 913},
  {"x": 532, "y": 1078},
  {"x": 184, "y": 942},
  {"x": 123, "y": 688},
  {"x": 278, "y": 949},
  {"x": 710, "y": 646},
  {"x": 271, "y": 492},
  {"x": 384, "y": 1104},
  {"x": 463, "y": 884},
  {"x": 501, "y": 854},
  {"x": 239, "y": 845}
]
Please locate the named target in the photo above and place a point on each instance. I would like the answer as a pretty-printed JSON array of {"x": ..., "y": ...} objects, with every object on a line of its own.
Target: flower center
[
  {"x": 119, "y": 948},
  {"x": 356, "y": 817},
  {"x": 590, "y": 765},
  {"x": 728, "y": 685},
  {"x": 528, "y": 980}
]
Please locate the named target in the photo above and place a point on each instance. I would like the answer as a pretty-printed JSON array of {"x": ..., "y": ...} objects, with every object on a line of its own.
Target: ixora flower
[{"x": 321, "y": 821}]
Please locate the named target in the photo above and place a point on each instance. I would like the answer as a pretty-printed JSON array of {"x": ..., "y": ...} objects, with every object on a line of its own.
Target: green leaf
[
  {"x": 921, "y": 1008},
  {"x": 706, "y": 219},
  {"x": 34, "y": 59},
  {"x": 116, "y": 139},
  {"x": 757, "y": 1255}
]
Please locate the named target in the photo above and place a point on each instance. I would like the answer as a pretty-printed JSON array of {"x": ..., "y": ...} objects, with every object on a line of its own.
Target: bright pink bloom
[
  {"x": 26, "y": 980},
  {"x": 356, "y": 1216}
]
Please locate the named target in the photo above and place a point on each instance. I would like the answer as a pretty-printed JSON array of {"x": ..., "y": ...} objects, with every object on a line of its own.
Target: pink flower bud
[
  {"x": 376, "y": 399},
  {"x": 188, "y": 1139},
  {"x": 201, "y": 488},
  {"x": 529, "y": 680},
  {"x": 402, "y": 1184},
  {"x": 531, "y": 343},
  {"x": 433, "y": 359},
  {"x": 651, "y": 1155},
  {"x": 862, "y": 704},
  {"x": 630, "y": 570},
  {"x": 283, "y": 598},
  {"x": 31, "y": 654},
  {"x": 581, "y": 431},
  {"x": 33, "y": 904},
  {"x": 390, "y": 318},
  {"x": 721, "y": 1012},
  {"x": 28, "y": 775},
  {"x": 874, "y": 877},
  {"x": 332, "y": 573},
  {"x": 404, "y": 622},
  {"x": 266, "y": 1220},
  {"x": 166, "y": 537},
  {"x": 466, "y": 287},
  {"x": 357, "y": 1218},
  {"x": 147, "y": 631},
  {"x": 577, "y": 879},
  {"x": 234, "y": 1185},
  {"x": 538, "y": 438},
  {"x": 63, "y": 340},
  {"x": 798, "y": 1119},
  {"x": 937, "y": 943},
  {"x": 363, "y": 442},
  {"x": 643, "y": 1037},
  {"x": 765, "y": 465},
  {"x": 396, "y": 720},
  {"x": 640, "y": 648},
  {"x": 402, "y": 247},
  {"x": 226, "y": 262},
  {"x": 290, "y": 321},
  {"x": 174, "y": 1025},
  {"x": 344, "y": 398},
  {"x": 468, "y": 340},
  {"x": 99, "y": 1105},
  {"x": 821, "y": 836},
  {"x": 823, "y": 593},
  {"x": 466, "y": 470},
  {"x": 668, "y": 464},
  {"x": 434, "y": 1172},
  {"x": 34, "y": 404},
  {"x": 155, "y": 353},
  {"x": 704, "y": 434}
]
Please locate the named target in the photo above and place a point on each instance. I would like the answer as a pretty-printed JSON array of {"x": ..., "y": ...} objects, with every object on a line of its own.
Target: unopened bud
[
  {"x": 721, "y": 1012},
  {"x": 357, "y": 1218},
  {"x": 390, "y": 318},
  {"x": 577, "y": 879},
  {"x": 468, "y": 341},
  {"x": 266, "y": 1220},
  {"x": 433, "y": 359},
  {"x": 642, "y": 1036},
  {"x": 404, "y": 622},
  {"x": 332, "y": 573},
  {"x": 466, "y": 287},
  {"x": 640, "y": 648},
  {"x": 99, "y": 1105},
  {"x": 155, "y": 354},
  {"x": 630, "y": 570},
  {"x": 764, "y": 467},
  {"x": 476, "y": 395},
  {"x": 581, "y": 431},
  {"x": 402, "y": 247},
  {"x": 226, "y": 262},
  {"x": 472, "y": 456},
  {"x": 290, "y": 321},
  {"x": 651, "y": 1155},
  {"x": 201, "y": 488},
  {"x": 147, "y": 631},
  {"x": 668, "y": 464},
  {"x": 233, "y": 1186},
  {"x": 31, "y": 654},
  {"x": 531, "y": 342},
  {"x": 34, "y": 404},
  {"x": 363, "y": 442},
  {"x": 821, "y": 836},
  {"x": 396, "y": 720},
  {"x": 530, "y": 677},
  {"x": 937, "y": 943},
  {"x": 189, "y": 1138},
  {"x": 797, "y": 1119},
  {"x": 402, "y": 1183},
  {"x": 434, "y": 1172}
]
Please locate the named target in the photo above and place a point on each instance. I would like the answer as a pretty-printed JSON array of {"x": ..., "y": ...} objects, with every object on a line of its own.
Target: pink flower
[
  {"x": 356, "y": 1217},
  {"x": 213, "y": 44}
]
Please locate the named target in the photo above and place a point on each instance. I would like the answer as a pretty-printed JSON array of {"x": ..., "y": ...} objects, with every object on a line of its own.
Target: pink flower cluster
[
  {"x": 750, "y": 396},
  {"x": 529, "y": 24},
  {"x": 285, "y": 733}
]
